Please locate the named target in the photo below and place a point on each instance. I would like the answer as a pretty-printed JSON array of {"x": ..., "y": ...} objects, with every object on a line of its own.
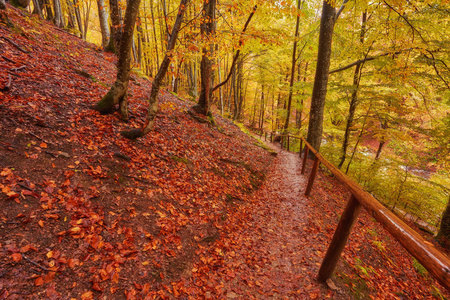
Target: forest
[
  {"x": 367, "y": 83},
  {"x": 386, "y": 118}
]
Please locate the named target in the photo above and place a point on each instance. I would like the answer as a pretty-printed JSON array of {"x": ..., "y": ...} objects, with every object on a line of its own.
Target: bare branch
[
  {"x": 340, "y": 9},
  {"x": 367, "y": 59},
  {"x": 406, "y": 20},
  {"x": 236, "y": 56}
]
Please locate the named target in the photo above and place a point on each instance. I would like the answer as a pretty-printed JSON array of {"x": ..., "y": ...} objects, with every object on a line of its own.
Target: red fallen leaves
[{"x": 16, "y": 257}]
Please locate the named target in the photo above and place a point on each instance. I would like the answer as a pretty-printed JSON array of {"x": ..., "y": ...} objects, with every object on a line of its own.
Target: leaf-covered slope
[{"x": 85, "y": 212}]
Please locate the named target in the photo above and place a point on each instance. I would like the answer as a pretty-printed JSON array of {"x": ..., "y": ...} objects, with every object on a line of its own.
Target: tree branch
[
  {"x": 436, "y": 69},
  {"x": 340, "y": 10},
  {"x": 236, "y": 56},
  {"x": 367, "y": 59},
  {"x": 407, "y": 21}
]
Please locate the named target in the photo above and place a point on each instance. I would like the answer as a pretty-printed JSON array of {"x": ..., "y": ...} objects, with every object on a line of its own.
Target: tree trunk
[
  {"x": 116, "y": 28},
  {"x": 48, "y": 9},
  {"x": 154, "y": 32},
  {"x": 444, "y": 229},
  {"x": 354, "y": 98},
  {"x": 58, "y": 13},
  {"x": 359, "y": 138},
  {"x": 153, "y": 101},
  {"x": 2, "y": 4},
  {"x": 37, "y": 9},
  {"x": 207, "y": 32},
  {"x": 118, "y": 92},
  {"x": 262, "y": 109},
  {"x": 103, "y": 18},
  {"x": 294, "y": 59},
  {"x": 71, "y": 18},
  {"x": 319, "y": 93},
  {"x": 220, "y": 89},
  {"x": 78, "y": 16},
  {"x": 87, "y": 12}
]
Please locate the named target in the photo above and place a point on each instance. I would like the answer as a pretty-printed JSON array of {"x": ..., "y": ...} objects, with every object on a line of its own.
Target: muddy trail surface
[{"x": 286, "y": 256}]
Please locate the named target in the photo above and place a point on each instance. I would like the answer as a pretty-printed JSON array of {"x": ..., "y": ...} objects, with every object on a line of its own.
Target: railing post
[
  {"x": 288, "y": 142},
  {"x": 312, "y": 176},
  {"x": 300, "y": 150},
  {"x": 340, "y": 237},
  {"x": 305, "y": 159}
]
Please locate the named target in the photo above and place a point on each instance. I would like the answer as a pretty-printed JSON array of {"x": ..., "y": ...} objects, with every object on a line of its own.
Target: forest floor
[{"x": 191, "y": 211}]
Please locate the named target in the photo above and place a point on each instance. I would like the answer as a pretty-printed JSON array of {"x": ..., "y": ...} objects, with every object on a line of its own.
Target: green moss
[
  {"x": 181, "y": 159},
  {"x": 420, "y": 269}
]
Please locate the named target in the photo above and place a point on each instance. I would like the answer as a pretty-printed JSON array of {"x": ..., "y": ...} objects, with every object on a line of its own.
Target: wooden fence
[{"x": 437, "y": 264}]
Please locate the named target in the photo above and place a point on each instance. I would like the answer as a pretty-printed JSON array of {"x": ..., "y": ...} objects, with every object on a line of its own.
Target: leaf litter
[{"x": 189, "y": 212}]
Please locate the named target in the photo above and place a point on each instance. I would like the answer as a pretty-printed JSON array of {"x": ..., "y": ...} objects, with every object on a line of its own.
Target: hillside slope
[{"x": 86, "y": 213}]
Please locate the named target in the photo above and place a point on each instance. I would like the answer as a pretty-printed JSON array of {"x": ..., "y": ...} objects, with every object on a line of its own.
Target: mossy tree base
[{"x": 116, "y": 95}]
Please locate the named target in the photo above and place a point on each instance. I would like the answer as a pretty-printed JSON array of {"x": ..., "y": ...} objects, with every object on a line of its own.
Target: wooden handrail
[{"x": 436, "y": 263}]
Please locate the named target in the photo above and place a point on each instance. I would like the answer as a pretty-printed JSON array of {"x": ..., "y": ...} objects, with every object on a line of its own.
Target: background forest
[{"x": 387, "y": 111}]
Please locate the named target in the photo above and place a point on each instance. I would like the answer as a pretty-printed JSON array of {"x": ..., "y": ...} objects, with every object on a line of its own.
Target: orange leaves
[
  {"x": 39, "y": 281},
  {"x": 16, "y": 257},
  {"x": 153, "y": 245},
  {"x": 11, "y": 194}
]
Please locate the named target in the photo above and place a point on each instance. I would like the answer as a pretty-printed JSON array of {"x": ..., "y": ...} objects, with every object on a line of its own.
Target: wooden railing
[{"x": 437, "y": 264}]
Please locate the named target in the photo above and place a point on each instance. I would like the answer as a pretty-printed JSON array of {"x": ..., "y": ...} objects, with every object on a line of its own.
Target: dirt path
[{"x": 281, "y": 261}]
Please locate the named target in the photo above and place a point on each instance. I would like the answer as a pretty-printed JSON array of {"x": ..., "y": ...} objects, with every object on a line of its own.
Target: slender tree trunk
[
  {"x": 235, "y": 96},
  {"x": 444, "y": 229},
  {"x": 140, "y": 39},
  {"x": 384, "y": 126},
  {"x": 239, "y": 78},
  {"x": 48, "y": 9},
  {"x": 319, "y": 93},
  {"x": 358, "y": 140},
  {"x": 58, "y": 20},
  {"x": 87, "y": 12},
  {"x": 103, "y": 18},
  {"x": 78, "y": 16},
  {"x": 153, "y": 101},
  {"x": 154, "y": 33},
  {"x": 262, "y": 109},
  {"x": 207, "y": 32},
  {"x": 220, "y": 89},
  {"x": 354, "y": 98},
  {"x": 118, "y": 92},
  {"x": 38, "y": 9},
  {"x": 294, "y": 59}
]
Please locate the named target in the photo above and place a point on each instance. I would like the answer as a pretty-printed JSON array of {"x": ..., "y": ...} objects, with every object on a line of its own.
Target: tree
[
  {"x": 156, "y": 85},
  {"x": 103, "y": 18},
  {"x": 59, "y": 19},
  {"x": 207, "y": 33},
  {"x": 207, "y": 28},
  {"x": 294, "y": 60},
  {"x": 354, "y": 96},
  {"x": 118, "y": 92},
  {"x": 2, "y": 4},
  {"x": 116, "y": 26},
  {"x": 315, "y": 128},
  {"x": 444, "y": 230}
]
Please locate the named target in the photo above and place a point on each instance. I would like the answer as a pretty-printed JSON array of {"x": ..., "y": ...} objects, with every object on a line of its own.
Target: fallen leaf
[
  {"x": 16, "y": 257},
  {"x": 39, "y": 281}
]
